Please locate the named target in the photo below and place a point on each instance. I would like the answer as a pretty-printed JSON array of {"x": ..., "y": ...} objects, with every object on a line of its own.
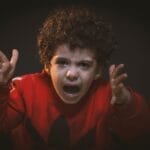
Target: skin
[
  {"x": 120, "y": 94},
  {"x": 7, "y": 67},
  {"x": 76, "y": 68}
]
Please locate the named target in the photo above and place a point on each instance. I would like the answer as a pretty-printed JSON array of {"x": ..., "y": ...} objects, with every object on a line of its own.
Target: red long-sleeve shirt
[{"x": 37, "y": 118}]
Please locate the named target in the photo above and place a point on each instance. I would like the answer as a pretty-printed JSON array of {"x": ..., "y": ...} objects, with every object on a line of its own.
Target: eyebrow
[
  {"x": 68, "y": 59},
  {"x": 87, "y": 61},
  {"x": 61, "y": 58}
]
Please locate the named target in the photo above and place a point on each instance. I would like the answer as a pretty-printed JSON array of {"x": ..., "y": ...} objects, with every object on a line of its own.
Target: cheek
[
  {"x": 56, "y": 74},
  {"x": 87, "y": 79},
  {"x": 89, "y": 76}
]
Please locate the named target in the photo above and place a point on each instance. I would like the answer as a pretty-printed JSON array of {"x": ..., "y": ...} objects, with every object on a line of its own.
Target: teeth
[{"x": 71, "y": 89}]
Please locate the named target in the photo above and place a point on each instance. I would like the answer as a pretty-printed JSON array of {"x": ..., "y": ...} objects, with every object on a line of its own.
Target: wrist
[
  {"x": 4, "y": 85},
  {"x": 123, "y": 98}
]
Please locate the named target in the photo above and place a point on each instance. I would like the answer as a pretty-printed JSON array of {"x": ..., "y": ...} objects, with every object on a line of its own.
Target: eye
[
  {"x": 62, "y": 62},
  {"x": 84, "y": 65}
]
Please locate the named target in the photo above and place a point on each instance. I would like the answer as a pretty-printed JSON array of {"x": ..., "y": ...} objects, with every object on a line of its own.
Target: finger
[
  {"x": 116, "y": 95},
  {"x": 14, "y": 57},
  {"x": 118, "y": 80},
  {"x": 3, "y": 57},
  {"x": 5, "y": 67},
  {"x": 117, "y": 70},
  {"x": 111, "y": 70},
  {"x": 8, "y": 67}
]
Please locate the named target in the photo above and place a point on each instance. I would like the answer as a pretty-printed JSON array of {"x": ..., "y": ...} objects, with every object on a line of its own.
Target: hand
[
  {"x": 7, "y": 67},
  {"x": 120, "y": 94}
]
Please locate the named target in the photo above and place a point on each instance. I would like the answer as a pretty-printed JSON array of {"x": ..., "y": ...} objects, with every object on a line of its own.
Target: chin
[{"x": 71, "y": 101}]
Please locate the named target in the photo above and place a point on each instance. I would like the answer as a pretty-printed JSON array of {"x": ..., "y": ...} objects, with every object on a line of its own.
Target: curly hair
[{"x": 78, "y": 28}]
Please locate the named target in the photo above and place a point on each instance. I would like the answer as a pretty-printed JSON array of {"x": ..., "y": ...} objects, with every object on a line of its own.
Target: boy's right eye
[{"x": 62, "y": 62}]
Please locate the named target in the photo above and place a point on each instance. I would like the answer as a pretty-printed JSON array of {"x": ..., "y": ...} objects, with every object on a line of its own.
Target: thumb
[{"x": 14, "y": 57}]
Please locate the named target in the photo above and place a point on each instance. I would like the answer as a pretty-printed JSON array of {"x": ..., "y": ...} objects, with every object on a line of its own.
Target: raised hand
[
  {"x": 120, "y": 94},
  {"x": 7, "y": 67}
]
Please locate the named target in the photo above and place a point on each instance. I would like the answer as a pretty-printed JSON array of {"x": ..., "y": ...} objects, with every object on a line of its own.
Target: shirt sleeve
[
  {"x": 11, "y": 106},
  {"x": 131, "y": 122}
]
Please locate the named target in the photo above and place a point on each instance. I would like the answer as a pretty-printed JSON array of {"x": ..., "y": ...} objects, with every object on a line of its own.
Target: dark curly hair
[{"x": 78, "y": 28}]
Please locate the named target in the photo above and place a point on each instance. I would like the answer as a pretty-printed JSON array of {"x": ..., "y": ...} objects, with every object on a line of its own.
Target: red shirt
[{"x": 38, "y": 119}]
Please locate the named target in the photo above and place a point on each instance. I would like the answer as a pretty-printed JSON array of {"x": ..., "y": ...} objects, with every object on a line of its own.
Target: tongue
[{"x": 71, "y": 89}]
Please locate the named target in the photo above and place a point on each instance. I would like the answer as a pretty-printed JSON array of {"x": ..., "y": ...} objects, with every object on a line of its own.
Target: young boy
[{"x": 68, "y": 106}]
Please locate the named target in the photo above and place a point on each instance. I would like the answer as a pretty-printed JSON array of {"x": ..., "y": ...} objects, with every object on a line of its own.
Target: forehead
[{"x": 77, "y": 53}]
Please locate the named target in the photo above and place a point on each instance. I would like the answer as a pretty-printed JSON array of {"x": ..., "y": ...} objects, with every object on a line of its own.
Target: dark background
[{"x": 130, "y": 19}]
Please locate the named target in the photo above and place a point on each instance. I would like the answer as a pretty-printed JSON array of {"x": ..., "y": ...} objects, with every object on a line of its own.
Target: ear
[
  {"x": 46, "y": 68},
  {"x": 98, "y": 73},
  {"x": 97, "y": 76}
]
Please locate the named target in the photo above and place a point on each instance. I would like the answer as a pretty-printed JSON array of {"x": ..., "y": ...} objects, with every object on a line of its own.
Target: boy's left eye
[{"x": 84, "y": 65}]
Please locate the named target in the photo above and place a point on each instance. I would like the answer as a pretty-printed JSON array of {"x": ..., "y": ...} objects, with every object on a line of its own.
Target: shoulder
[
  {"x": 102, "y": 86},
  {"x": 25, "y": 78},
  {"x": 29, "y": 79},
  {"x": 102, "y": 92}
]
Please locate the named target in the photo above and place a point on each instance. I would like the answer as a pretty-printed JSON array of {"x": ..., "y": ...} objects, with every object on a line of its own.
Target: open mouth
[{"x": 71, "y": 89}]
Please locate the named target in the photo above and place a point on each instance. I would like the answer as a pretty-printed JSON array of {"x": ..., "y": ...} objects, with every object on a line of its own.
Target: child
[{"x": 68, "y": 106}]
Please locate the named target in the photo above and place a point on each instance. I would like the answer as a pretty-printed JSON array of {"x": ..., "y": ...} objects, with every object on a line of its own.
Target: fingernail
[{"x": 125, "y": 75}]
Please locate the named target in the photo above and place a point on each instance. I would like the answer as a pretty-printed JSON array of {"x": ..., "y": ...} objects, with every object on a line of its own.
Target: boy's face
[{"x": 72, "y": 73}]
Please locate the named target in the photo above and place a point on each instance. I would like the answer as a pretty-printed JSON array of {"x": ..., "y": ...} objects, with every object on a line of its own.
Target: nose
[{"x": 72, "y": 74}]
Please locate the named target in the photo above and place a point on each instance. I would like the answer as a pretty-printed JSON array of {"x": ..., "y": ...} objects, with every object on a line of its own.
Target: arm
[
  {"x": 130, "y": 113},
  {"x": 9, "y": 116}
]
